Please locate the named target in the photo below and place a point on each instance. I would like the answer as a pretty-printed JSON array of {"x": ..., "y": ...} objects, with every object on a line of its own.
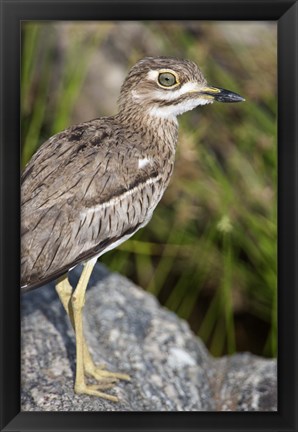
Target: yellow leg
[
  {"x": 64, "y": 291},
  {"x": 73, "y": 304}
]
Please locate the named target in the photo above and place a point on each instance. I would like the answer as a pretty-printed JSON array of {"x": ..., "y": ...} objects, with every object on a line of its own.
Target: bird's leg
[
  {"x": 64, "y": 291},
  {"x": 77, "y": 302}
]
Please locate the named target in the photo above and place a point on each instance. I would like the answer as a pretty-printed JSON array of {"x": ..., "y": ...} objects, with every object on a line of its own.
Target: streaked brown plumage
[
  {"x": 93, "y": 185},
  {"x": 58, "y": 221}
]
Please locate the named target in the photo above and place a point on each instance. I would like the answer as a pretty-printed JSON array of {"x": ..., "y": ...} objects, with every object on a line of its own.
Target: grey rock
[{"x": 130, "y": 332}]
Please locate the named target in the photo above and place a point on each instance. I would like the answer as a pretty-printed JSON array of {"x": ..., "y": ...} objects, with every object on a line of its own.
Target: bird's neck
[{"x": 151, "y": 129}]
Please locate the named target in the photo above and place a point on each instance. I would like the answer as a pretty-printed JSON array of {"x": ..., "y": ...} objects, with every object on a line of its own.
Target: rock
[{"x": 130, "y": 332}]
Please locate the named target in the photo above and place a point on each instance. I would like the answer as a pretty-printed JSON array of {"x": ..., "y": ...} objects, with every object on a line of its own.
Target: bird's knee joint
[{"x": 77, "y": 302}]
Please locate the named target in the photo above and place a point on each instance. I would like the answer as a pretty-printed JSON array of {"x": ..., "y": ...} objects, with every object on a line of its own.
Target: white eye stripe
[
  {"x": 153, "y": 75},
  {"x": 174, "y": 94}
]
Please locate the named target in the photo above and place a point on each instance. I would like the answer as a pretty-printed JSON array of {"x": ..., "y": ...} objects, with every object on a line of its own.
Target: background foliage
[{"x": 209, "y": 252}]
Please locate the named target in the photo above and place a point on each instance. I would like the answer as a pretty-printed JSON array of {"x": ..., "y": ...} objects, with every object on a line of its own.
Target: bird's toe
[{"x": 94, "y": 390}]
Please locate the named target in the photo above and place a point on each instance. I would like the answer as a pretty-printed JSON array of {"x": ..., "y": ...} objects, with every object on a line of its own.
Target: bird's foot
[
  {"x": 101, "y": 374},
  {"x": 94, "y": 390}
]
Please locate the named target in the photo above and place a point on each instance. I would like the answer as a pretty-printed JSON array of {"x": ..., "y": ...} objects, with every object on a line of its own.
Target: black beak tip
[{"x": 228, "y": 96}]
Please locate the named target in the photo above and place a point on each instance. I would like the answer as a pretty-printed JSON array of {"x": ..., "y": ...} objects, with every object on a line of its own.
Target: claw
[
  {"x": 99, "y": 373},
  {"x": 92, "y": 390},
  {"x": 102, "y": 386}
]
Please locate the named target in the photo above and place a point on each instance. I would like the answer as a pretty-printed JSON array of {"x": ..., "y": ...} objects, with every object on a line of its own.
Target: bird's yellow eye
[{"x": 167, "y": 79}]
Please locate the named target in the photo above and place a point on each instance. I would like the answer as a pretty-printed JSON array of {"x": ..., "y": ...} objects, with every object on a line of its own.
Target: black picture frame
[{"x": 286, "y": 14}]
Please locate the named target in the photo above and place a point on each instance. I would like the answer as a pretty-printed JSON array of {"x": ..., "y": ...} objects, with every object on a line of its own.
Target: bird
[{"x": 93, "y": 185}]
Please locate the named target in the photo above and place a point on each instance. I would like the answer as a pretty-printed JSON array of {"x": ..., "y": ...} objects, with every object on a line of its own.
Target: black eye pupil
[{"x": 167, "y": 79}]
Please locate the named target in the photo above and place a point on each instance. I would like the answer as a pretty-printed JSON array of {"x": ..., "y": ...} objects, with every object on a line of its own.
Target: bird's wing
[{"x": 81, "y": 193}]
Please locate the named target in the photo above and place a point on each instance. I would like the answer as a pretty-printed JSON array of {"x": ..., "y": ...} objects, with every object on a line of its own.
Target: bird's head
[{"x": 165, "y": 87}]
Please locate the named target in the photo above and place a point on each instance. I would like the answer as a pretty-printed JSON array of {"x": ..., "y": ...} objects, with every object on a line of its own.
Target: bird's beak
[{"x": 221, "y": 95}]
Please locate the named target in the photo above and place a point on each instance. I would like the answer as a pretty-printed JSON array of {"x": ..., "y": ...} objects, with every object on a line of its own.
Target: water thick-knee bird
[{"x": 92, "y": 186}]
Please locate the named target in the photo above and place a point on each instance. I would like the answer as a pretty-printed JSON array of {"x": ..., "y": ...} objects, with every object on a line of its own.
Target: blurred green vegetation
[{"x": 210, "y": 250}]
